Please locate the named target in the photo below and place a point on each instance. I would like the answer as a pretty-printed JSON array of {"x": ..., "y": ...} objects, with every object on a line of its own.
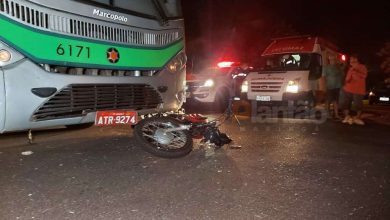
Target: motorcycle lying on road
[{"x": 171, "y": 135}]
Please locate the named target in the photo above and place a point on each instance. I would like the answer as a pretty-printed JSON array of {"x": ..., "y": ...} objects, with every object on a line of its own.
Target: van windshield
[
  {"x": 215, "y": 70},
  {"x": 285, "y": 62}
]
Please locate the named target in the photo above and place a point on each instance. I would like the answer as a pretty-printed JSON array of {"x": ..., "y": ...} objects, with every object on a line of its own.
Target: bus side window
[{"x": 315, "y": 67}]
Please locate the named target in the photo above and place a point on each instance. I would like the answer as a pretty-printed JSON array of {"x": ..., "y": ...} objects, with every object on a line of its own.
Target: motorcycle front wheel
[{"x": 153, "y": 138}]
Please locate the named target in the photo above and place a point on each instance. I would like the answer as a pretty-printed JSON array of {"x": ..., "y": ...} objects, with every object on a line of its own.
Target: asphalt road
[{"x": 282, "y": 171}]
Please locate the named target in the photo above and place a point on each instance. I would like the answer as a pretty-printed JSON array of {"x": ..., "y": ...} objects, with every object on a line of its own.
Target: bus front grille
[{"x": 79, "y": 99}]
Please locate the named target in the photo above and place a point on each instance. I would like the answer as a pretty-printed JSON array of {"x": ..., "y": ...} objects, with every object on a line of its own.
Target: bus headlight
[
  {"x": 244, "y": 86},
  {"x": 209, "y": 83},
  {"x": 177, "y": 63},
  {"x": 5, "y": 56},
  {"x": 292, "y": 86}
]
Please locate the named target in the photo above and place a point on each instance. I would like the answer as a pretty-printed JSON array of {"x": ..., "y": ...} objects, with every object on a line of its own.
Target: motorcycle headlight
[
  {"x": 292, "y": 86},
  {"x": 371, "y": 93},
  {"x": 209, "y": 83},
  {"x": 177, "y": 63},
  {"x": 244, "y": 86}
]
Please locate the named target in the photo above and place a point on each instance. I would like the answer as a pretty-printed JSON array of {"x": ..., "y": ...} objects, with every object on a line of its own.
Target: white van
[{"x": 290, "y": 71}]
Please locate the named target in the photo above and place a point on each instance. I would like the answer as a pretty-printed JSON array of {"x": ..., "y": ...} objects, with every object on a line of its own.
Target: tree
[{"x": 384, "y": 54}]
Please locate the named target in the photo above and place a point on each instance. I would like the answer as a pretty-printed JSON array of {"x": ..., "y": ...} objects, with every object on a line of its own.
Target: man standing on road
[
  {"x": 333, "y": 74},
  {"x": 354, "y": 90}
]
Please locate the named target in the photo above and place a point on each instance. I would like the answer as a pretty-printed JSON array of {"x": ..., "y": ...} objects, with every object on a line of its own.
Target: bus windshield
[
  {"x": 286, "y": 62},
  {"x": 166, "y": 9}
]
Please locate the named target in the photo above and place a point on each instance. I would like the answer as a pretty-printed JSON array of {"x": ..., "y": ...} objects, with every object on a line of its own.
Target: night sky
[{"x": 242, "y": 28}]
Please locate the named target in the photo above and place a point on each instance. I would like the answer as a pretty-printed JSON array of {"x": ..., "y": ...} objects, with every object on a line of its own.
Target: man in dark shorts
[
  {"x": 333, "y": 74},
  {"x": 354, "y": 90}
]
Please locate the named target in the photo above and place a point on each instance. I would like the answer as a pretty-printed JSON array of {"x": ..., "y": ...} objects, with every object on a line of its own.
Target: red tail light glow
[
  {"x": 225, "y": 64},
  {"x": 343, "y": 58}
]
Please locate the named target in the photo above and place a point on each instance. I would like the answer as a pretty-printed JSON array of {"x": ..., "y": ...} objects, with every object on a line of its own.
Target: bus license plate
[
  {"x": 263, "y": 98},
  {"x": 107, "y": 118}
]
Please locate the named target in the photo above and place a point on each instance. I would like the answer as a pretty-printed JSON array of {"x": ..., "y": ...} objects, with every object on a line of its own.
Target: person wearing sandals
[
  {"x": 354, "y": 90},
  {"x": 334, "y": 75}
]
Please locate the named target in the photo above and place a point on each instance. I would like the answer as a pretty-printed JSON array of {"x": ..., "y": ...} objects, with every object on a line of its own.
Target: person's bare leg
[
  {"x": 359, "y": 104},
  {"x": 359, "y": 114},
  {"x": 328, "y": 109},
  {"x": 348, "y": 119},
  {"x": 346, "y": 112},
  {"x": 336, "y": 109},
  {"x": 358, "y": 119}
]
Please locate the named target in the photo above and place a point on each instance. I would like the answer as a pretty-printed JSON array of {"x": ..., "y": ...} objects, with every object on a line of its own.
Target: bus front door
[{"x": 2, "y": 101}]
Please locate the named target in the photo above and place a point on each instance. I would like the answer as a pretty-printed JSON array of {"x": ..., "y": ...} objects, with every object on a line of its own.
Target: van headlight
[
  {"x": 244, "y": 86},
  {"x": 209, "y": 83},
  {"x": 177, "y": 63},
  {"x": 292, "y": 86}
]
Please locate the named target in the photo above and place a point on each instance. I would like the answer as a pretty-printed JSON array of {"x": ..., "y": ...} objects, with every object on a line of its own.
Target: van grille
[
  {"x": 257, "y": 86},
  {"x": 193, "y": 85},
  {"x": 66, "y": 23},
  {"x": 78, "y": 99}
]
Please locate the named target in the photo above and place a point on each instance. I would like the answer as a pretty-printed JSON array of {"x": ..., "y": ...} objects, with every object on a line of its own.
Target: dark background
[{"x": 241, "y": 29}]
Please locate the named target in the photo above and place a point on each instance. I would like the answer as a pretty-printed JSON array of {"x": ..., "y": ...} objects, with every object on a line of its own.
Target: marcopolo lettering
[{"x": 108, "y": 15}]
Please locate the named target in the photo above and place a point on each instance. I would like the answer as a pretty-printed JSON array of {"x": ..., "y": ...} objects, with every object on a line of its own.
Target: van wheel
[{"x": 222, "y": 101}]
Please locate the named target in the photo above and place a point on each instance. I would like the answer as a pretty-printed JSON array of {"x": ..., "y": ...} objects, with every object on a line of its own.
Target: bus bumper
[{"x": 16, "y": 86}]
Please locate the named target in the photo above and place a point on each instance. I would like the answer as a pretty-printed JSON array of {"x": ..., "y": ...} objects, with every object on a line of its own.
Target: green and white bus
[{"x": 61, "y": 61}]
